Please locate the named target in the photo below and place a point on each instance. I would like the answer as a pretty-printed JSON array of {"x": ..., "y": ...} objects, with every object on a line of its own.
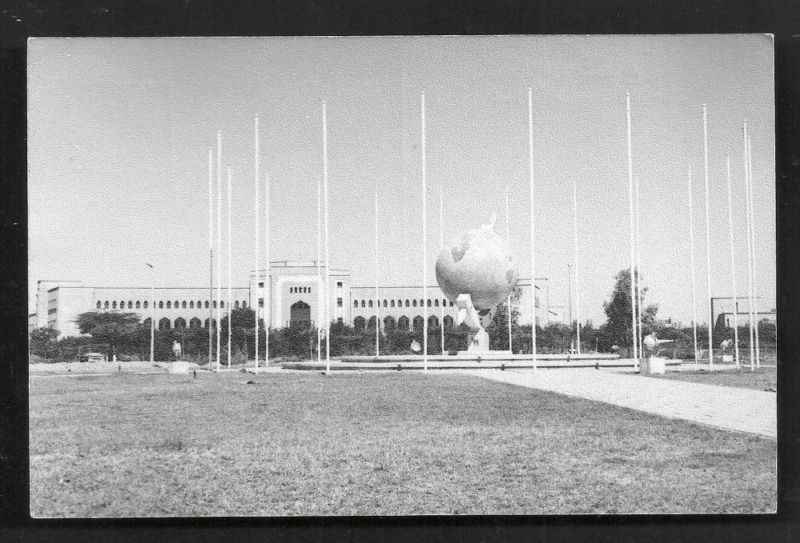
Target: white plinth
[
  {"x": 653, "y": 365},
  {"x": 728, "y": 358},
  {"x": 179, "y": 367}
]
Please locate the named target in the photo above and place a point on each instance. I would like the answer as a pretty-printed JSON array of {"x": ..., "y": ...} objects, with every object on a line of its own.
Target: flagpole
[
  {"x": 577, "y": 288},
  {"x": 267, "y": 284},
  {"x": 153, "y": 312},
  {"x": 753, "y": 243},
  {"x": 633, "y": 236},
  {"x": 691, "y": 251},
  {"x": 749, "y": 246},
  {"x": 219, "y": 246},
  {"x": 708, "y": 246},
  {"x": 441, "y": 246},
  {"x": 230, "y": 309},
  {"x": 255, "y": 185},
  {"x": 640, "y": 335},
  {"x": 327, "y": 249},
  {"x": 424, "y": 246},
  {"x": 320, "y": 286},
  {"x": 210, "y": 327},
  {"x": 508, "y": 300},
  {"x": 733, "y": 261},
  {"x": 377, "y": 302},
  {"x": 533, "y": 228}
]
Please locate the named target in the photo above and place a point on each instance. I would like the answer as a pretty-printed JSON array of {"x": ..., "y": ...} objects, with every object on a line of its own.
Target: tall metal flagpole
[
  {"x": 708, "y": 246},
  {"x": 377, "y": 301},
  {"x": 257, "y": 195},
  {"x": 230, "y": 308},
  {"x": 733, "y": 261},
  {"x": 533, "y": 228},
  {"x": 633, "y": 236},
  {"x": 749, "y": 246},
  {"x": 577, "y": 268},
  {"x": 508, "y": 300},
  {"x": 327, "y": 250},
  {"x": 153, "y": 312},
  {"x": 424, "y": 246},
  {"x": 441, "y": 245},
  {"x": 640, "y": 335},
  {"x": 320, "y": 287},
  {"x": 691, "y": 252},
  {"x": 219, "y": 246},
  {"x": 753, "y": 243},
  {"x": 210, "y": 326},
  {"x": 267, "y": 285}
]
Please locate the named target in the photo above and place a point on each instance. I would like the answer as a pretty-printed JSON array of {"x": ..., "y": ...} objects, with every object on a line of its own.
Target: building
[{"x": 289, "y": 295}]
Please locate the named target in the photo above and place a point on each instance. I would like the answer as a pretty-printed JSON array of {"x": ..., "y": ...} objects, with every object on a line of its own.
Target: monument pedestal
[
  {"x": 178, "y": 367},
  {"x": 653, "y": 365}
]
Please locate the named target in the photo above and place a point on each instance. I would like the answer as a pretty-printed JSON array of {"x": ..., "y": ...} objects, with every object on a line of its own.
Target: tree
[
  {"x": 498, "y": 329},
  {"x": 618, "y": 312},
  {"x": 44, "y": 342},
  {"x": 111, "y": 328}
]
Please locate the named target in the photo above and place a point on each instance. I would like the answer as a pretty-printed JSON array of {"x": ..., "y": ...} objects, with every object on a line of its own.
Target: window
[
  {"x": 222, "y": 304},
  {"x": 183, "y": 304},
  {"x": 414, "y": 303},
  {"x": 194, "y": 323},
  {"x": 451, "y": 304},
  {"x": 145, "y": 305},
  {"x": 385, "y": 304},
  {"x": 114, "y": 305},
  {"x": 261, "y": 284},
  {"x": 244, "y": 305},
  {"x": 236, "y": 304},
  {"x": 418, "y": 322},
  {"x": 176, "y": 304},
  {"x": 169, "y": 304},
  {"x": 191, "y": 306},
  {"x": 161, "y": 304},
  {"x": 402, "y": 323},
  {"x": 355, "y": 303},
  {"x": 106, "y": 305},
  {"x": 369, "y": 303},
  {"x": 436, "y": 302},
  {"x": 122, "y": 304},
  {"x": 338, "y": 302},
  {"x": 99, "y": 305},
  {"x": 392, "y": 303},
  {"x": 408, "y": 303},
  {"x": 444, "y": 302},
  {"x": 206, "y": 304},
  {"x": 421, "y": 303},
  {"x": 138, "y": 304},
  {"x": 130, "y": 304},
  {"x": 338, "y": 284},
  {"x": 339, "y": 320},
  {"x": 359, "y": 323},
  {"x": 215, "y": 304},
  {"x": 363, "y": 303},
  {"x": 261, "y": 302}
]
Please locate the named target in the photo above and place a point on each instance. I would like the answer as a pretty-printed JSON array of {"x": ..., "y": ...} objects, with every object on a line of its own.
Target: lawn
[
  {"x": 760, "y": 379},
  {"x": 371, "y": 444}
]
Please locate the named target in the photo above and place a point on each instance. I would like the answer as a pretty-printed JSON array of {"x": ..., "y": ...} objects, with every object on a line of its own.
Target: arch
[
  {"x": 146, "y": 323},
  {"x": 402, "y": 323},
  {"x": 388, "y": 323},
  {"x": 418, "y": 320},
  {"x": 180, "y": 323},
  {"x": 163, "y": 324},
  {"x": 194, "y": 323},
  {"x": 371, "y": 323},
  {"x": 138, "y": 304},
  {"x": 213, "y": 323},
  {"x": 448, "y": 322},
  {"x": 358, "y": 323},
  {"x": 300, "y": 314},
  {"x": 114, "y": 304},
  {"x": 433, "y": 322},
  {"x": 99, "y": 305}
]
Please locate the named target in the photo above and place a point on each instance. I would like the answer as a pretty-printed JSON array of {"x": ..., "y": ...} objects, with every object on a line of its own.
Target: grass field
[
  {"x": 761, "y": 379},
  {"x": 371, "y": 444}
]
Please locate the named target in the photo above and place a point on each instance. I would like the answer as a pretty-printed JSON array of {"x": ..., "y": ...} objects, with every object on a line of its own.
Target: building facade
[{"x": 291, "y": 293}]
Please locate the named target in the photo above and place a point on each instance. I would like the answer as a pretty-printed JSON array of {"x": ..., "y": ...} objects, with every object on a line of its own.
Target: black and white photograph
[{"x": 402, "y": 276}]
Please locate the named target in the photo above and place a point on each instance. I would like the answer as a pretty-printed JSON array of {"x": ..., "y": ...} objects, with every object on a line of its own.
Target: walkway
[{"x": 739, "y": 409}]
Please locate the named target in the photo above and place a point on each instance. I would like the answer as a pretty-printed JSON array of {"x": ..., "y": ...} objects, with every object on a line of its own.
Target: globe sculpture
[{"x": 477, "y": 272}]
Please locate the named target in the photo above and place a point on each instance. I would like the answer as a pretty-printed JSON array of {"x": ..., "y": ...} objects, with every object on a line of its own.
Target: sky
[{"x": 119, "y": 132}]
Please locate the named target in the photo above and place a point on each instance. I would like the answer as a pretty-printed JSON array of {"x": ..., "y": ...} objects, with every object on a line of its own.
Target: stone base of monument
[
  {"x": 654, "y": 365},
  {"x": 488, "y": 353},
  {"x": 727, "y": 358},
  {"x": 179, "y": 367}
]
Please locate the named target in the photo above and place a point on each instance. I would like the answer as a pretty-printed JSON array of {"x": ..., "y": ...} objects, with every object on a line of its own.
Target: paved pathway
[{"x": 739, "y": 409}]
